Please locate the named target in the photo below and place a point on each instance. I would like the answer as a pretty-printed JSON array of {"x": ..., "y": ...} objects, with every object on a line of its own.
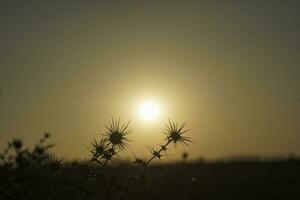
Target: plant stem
[{"x": 161, "y": 149}]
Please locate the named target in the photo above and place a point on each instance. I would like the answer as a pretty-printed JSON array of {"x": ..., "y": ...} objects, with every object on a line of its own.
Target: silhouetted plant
[
  {"x": 32, "y": 173},
  {"x": 116, "y": 134},
  {"x": 112, "y": 142},
  {"x": 115, "y": 139},
  {"x": 15, "y": 155},
  {"x": 174, "y": 134},
  {"x": 55, "y": 163}
]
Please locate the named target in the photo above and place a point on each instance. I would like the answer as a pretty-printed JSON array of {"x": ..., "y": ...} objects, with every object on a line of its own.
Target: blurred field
[
  {"x": 214, "y": 180},
  {"x": 233, "y": 180}
]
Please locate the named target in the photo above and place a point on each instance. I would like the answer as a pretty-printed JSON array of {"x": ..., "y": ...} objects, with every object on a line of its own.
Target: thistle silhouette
[
  {"x": 113, "y": 141},
  {"x": 174, "y": 134},
  {"x": 116, "y": 134},
  {"x": 37, "y": 168}
]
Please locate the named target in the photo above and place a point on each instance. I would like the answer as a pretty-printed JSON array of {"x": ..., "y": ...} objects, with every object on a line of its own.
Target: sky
[{"x": 230, "y": 70}]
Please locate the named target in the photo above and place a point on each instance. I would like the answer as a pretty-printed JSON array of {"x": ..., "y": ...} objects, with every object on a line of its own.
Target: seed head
[
  {"x": 46, "y": 135},
  {"x": 116, "y": 133},
  {"x": 17, "y": 144},
  {"x": 175, "y": 133}
]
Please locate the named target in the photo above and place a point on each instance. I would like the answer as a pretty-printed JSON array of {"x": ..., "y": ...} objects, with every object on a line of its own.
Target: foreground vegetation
[{"x": 34, "y": 173}]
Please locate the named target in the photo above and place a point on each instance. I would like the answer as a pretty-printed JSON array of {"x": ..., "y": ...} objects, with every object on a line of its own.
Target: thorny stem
[
  {"x": 112, "y": 154},
  {"x": 95, "y": 158},
  {"x": 161, "y": 149},
  {"x": 98, "y": 161},
  {"x": 105, "y": 162}
]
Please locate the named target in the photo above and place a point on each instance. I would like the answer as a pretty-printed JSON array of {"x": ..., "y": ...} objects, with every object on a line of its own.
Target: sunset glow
[{"x": 149, "y": 111}]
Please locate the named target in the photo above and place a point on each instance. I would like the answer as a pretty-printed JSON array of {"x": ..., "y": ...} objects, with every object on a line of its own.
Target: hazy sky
[{"x": 230, "y": 70}]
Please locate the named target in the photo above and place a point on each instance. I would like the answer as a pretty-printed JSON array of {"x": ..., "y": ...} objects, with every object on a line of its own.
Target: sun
[{"x": 149, "y": 110}]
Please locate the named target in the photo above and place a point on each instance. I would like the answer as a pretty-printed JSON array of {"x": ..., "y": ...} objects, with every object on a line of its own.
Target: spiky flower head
[
  {"x": 116, "y": 133},
  {"x": 175, "y": 133}
]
